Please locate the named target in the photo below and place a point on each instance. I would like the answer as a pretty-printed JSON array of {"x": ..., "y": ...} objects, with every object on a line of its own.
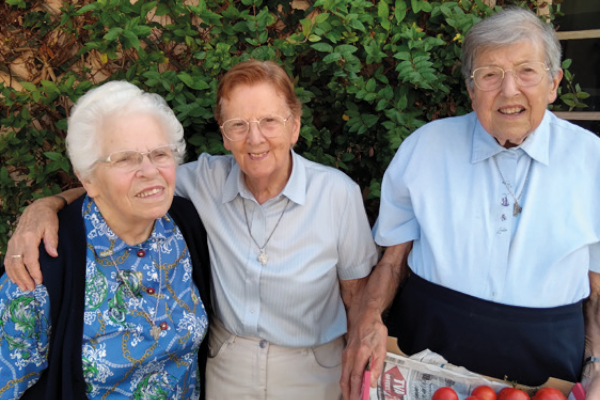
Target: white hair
[
  {"x": 111, "y": 100},
  {"x": 510, "y": 26}
]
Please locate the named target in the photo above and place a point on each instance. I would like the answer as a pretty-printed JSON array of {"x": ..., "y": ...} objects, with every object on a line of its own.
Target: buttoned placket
[{"x": 256, "y": 220}]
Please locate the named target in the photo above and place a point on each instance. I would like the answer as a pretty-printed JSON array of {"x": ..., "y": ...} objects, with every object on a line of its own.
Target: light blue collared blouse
[
  {"x": 324, "y": 236},
  {"x": 444, "y": 190}
]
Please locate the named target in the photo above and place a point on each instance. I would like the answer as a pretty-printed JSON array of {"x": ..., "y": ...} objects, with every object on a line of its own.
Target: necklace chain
[
  {"x": 155, "y": 330},
  {"x": 263, "y": 257},
  {"x": 517, "y": 208}
]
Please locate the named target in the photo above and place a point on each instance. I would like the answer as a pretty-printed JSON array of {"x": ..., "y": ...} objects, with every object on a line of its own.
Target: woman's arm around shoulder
[{"x": 37, "y": 223}]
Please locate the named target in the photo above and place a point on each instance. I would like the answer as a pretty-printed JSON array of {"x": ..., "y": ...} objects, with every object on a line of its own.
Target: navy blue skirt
[{"x": 526, "y": 345}]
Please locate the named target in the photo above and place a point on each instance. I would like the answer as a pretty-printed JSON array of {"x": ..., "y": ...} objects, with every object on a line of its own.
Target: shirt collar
[
  {"x": 105, "y": 242},
  {"x": 536, "y": 145},
  {"x": 295, "y": 188}
]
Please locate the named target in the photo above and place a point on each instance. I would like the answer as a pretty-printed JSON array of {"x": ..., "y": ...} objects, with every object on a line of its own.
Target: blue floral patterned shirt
[{"x": 143, "y": 323}]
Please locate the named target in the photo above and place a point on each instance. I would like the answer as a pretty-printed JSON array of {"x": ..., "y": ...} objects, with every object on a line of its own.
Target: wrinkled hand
[
  {"x": 38, "y": 222},
  {"x": 590, "y": 380},
  {"x": 367, "y": 339}
]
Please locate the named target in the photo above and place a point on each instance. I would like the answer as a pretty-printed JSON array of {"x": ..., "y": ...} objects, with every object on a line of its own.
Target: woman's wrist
[{"x": 65, "y": 202}]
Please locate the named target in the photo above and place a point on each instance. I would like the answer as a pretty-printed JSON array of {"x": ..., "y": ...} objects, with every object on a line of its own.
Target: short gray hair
[
  {"x": 508, "y": 27},
  {"x": 111, "y": 100}
]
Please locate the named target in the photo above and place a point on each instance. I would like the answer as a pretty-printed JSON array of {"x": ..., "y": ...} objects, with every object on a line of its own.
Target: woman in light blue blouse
[{"x": 122, "y": 312}]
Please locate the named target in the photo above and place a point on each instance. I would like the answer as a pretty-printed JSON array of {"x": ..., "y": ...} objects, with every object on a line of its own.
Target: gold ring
[{"x": 16, "y": 256}]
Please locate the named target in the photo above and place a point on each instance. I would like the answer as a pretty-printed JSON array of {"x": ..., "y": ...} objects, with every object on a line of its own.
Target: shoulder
[
  {"x": 207, "y": 173},
  {"x": 324, "y": 175},
  {"x": 181, "y": 204},
  {"x": 71, "y": 246},
  {"x": 436, "y": 142},
  {"x": 184, "y": 212},
  {"x": 208, "y": 162},
  {"x": 571, "y": 132},
  {"x": 72, "y": 211},
  {"x": 440, "y": 131}
]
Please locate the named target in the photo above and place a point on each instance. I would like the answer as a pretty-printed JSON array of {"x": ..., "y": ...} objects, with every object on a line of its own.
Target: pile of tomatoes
[{"x": 487, "y": 393}]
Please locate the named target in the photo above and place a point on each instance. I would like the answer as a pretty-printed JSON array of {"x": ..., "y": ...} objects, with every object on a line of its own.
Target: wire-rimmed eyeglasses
[
  {"x": 526, "y": 74},
  {"x": 237, "y": 129},
  {"x": 130, "y": 160}
]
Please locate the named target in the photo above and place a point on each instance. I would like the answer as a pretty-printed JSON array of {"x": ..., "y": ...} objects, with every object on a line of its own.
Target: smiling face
[
  {"x": 265, "y": 162},
  {"x": 131, "y": 201},
  {"x": 511, "y": 112}
]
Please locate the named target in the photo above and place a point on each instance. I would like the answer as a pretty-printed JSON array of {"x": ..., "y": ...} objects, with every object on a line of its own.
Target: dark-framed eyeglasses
[
  {"x": 237, "y": 129},
  {"x": 526, "y": 75},
  {"x": 161, "y": 156}
]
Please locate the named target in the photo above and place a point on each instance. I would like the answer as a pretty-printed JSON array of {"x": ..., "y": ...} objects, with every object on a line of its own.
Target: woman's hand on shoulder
[{"x": 38, "y": 222}]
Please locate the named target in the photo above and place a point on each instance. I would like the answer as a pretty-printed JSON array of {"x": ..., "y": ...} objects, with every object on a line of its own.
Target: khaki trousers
[{"x": 242, "y": 368}]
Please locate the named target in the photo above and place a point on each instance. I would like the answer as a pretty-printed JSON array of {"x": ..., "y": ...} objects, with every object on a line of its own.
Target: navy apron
[{"x": 525, "y": 345}]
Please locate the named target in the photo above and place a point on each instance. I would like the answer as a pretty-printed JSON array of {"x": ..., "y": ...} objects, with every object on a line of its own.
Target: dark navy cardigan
[{"x": 64, "y": 277}]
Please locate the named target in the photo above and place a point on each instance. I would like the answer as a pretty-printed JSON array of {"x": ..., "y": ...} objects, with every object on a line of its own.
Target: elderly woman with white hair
[
  {"x": 123, "y": 313},
  {"x": 492, "y": 225}
]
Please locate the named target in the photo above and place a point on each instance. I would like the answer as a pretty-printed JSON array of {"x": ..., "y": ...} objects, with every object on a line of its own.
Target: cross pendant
[
  {"x": 263, "y": 258},
  {"x": 155, "y": 332}
]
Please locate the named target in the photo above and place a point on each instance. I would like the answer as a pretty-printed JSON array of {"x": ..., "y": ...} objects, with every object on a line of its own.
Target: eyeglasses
[
  {"x": 161, "y": 156},
  {"x": 526, "y": 74},
  {"x": 237, "y": 129}
]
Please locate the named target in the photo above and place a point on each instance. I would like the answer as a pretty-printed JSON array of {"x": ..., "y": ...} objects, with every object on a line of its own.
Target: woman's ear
[{"x": 88, "y": 183}]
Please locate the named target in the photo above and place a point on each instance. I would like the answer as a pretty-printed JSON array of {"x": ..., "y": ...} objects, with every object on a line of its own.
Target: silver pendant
[
  {"x": 155, "y": 332},
  {"x": 517, "y": 209},
  {"x": 262, "y": 257}
]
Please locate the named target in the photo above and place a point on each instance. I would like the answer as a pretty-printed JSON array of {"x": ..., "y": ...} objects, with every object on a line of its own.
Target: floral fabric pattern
[
  {"x": 144, "y": 320},
  {"x": 24, "y": 337}
]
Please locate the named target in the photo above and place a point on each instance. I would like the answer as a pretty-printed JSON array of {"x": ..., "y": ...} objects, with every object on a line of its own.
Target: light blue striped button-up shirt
[
  {"x": 323, "y": 237},
  {"x": 444, "y": 190}
]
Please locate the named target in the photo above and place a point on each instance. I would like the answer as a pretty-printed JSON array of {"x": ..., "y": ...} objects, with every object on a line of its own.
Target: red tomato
[
  {"x": 473, "y": 398},
  {"x": 445, "y": 393},
  {"x": 484, "y": 392},
  {"x": 548, "y": 393},
  {"x": 512, "y": 394}
]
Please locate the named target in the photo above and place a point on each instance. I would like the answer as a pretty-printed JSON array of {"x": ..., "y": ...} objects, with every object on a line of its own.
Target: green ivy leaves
[{"x": 367, "y": 72}]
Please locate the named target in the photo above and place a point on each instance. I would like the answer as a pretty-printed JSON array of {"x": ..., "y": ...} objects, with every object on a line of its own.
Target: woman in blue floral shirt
[{"x": 122, "y": 315}]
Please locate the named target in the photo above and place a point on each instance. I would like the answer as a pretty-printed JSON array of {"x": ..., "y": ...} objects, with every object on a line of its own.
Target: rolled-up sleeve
[
  {"x": 397, "y": 222},
  {"x": 358, "y": 253}
]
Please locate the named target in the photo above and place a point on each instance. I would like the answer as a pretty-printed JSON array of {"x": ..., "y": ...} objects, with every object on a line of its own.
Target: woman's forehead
[
  {"x": 513, "y": 54},
  {"x": 255, "y": 100},
  {"x": 138, "y": 131}
]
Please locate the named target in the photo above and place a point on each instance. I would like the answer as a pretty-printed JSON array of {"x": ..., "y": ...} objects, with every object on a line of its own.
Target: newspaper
[{"x": 418, "y": 377}]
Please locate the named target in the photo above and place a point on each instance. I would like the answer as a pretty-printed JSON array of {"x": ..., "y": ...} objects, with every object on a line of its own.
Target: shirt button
[
  {"x": 252, "y": 311},
  {"x": 164, "y": 326},
  {"x": 263, "y": 343},
  {"x": 141, "y": 253},
  {"x": 150, "y": 291}
]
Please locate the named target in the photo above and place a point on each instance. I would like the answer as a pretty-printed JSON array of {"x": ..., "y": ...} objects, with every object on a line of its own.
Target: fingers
[
  {"x": 38, "y": 221},
  {"x": 347, "y": 367},
  {"x": 377, "y": 361},
  {"x": 32, "y": 264},
  {"x": 22, "y": 259},
  {"x": 354, "y": 361},
  {"x": 366, "y": 340},
  {"x": 16, "y": 271},
  {"x": 51, "y": 241}
]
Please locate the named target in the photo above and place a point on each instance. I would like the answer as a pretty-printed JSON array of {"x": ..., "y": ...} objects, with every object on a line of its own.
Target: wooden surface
[
  {"x": 578, "y": 115},
  {"x": 587, "y": 34}
]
